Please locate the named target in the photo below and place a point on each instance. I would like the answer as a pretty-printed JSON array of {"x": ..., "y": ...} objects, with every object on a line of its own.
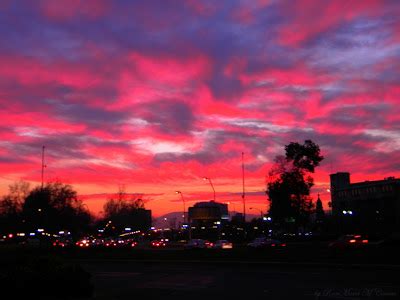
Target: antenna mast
[{"x": 243, "y": 194}]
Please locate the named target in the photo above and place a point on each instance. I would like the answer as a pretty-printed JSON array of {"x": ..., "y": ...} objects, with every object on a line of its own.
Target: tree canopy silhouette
[
  {"x": 127, "y": 211},
  {"x": 11, "y": 206},
  {"x": 289, "y": 184},
  {"x": 55, "y": 207}
]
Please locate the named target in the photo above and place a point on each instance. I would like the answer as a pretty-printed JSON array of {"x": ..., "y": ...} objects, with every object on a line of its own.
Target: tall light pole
[
  {"x": 209, "y": 180},
  {"x": 243, "y": 193},
  {"x": 43, "y": 165},
  {"x": 184, "y": 205}
]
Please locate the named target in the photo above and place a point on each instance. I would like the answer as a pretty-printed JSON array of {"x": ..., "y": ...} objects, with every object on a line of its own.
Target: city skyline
[{"x": 156, "y": 95}]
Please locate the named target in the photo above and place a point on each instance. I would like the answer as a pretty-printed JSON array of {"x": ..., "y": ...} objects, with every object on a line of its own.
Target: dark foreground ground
[
  {"x": 298, "y": 272},
  {"x": 206, "y": 280}
]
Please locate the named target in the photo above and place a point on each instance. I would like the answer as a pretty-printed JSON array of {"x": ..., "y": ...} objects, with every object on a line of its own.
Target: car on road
[
  {"x": 110, "y": 243},
  {"x": 196, "y": 244},
  {"x": 263, "y": 242},
  {"x": 350, "y": 241},
  {"x": 158, "y": 243},
  {"x": 83, "y": 243},
  {"x": 222, "y": 244},
  {"x": 62, "y": 243}
]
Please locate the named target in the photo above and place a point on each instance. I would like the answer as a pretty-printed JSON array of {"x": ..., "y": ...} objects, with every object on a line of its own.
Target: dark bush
[{"x": 45, "y": 277}]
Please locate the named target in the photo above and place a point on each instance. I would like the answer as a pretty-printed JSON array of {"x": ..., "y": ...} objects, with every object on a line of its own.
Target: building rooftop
[
  {"x": 376, "y": 182},
  {"x": 210, "y": 203}
]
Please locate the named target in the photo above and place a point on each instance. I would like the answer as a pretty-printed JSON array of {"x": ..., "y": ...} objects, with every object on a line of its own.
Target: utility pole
[
  {"x": 43, "y": 165},
  {"x": 243, "y": 194}
]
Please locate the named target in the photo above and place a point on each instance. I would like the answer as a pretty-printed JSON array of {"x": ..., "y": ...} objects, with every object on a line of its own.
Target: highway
[
  {"x": 309, "y": 271},
  {"x": 125, "y": 279}
]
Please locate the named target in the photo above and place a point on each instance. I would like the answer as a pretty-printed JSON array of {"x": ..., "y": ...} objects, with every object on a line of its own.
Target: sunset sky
[{"x": 155, "y": 95}]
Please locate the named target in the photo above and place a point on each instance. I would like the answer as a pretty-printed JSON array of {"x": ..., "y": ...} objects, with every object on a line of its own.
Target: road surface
[{"x": 128, "y": 279}]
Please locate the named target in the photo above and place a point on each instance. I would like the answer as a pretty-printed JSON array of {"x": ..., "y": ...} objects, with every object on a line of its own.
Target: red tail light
[
  {"x": 272, "y": 245},
  {"x": 352, "y": 241},
  {"x": 365, "y": 241},
  {"x": 283, "y": 245}
]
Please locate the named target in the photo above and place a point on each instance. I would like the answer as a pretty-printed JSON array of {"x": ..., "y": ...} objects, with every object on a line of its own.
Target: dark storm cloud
[
  {"x": 35, "y": 36},
  {"x": 62, "y": 146},
  {"x": 80, "y": 113},
  {"x": 345, "y": 151},
  {"x": 226, "y": 87},
  {"x": 59, "y": 146},
  {"x": 260, "y": 144},
  {"x": 160, "y": 28},
  {"x": 211, "y": 152},
  {"x": 359, "y": 115},
  {"x": 22, "y": 94},
  {"x": 168, "y": 116},
  {"x": 13, "y": 160}
]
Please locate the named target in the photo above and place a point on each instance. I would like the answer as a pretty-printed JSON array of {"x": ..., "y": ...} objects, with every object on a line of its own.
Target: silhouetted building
[
  {"x": 141, "y": 219},
  {"x": 366, "y": 206},
  {"x": 237, "y": 218},
  {"x": 207, "y": 218},
  {"x": 208, "y": 211}
]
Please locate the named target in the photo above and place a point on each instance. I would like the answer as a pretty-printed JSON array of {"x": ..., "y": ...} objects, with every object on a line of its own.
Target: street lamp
[
  {"x": 184, "y": 205},
  {"x": 209, "y": 180},
  {"x": 261, "y": 212}
]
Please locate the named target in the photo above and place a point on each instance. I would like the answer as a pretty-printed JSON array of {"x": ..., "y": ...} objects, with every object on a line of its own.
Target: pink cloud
[
  {"x": 64, "y": 10},
  {"x": 308, "y": 18}
]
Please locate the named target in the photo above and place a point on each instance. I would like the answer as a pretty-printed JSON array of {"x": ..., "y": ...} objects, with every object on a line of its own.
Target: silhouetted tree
[
  {"x": 290, "y": 182},
  {"x": 11, "y": 207},
  {"x": 55, "y": 207},
  {"x": 124, "y": 211}
]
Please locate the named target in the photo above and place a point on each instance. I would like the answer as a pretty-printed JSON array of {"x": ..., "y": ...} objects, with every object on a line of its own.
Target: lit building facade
[{"x": 207, "y": 218}]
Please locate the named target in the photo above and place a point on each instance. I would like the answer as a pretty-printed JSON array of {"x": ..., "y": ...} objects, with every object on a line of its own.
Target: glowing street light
[{"x": 209, "y": 180}]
